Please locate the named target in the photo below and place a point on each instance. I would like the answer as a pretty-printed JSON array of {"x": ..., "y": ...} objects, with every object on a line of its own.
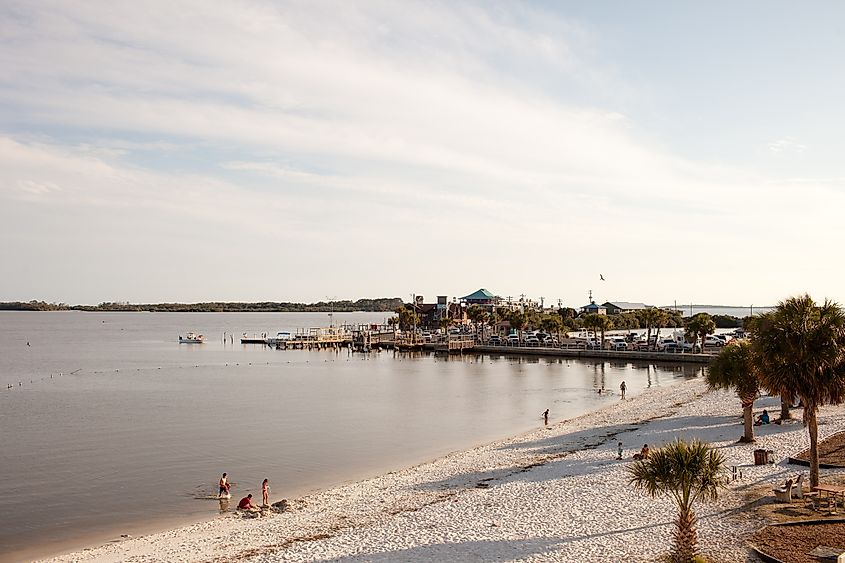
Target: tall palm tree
[
  {"x": 592, "y": 322},
  {"x": 661, "y": 320},
  {"x": 748, "y": 324},
  {"x": 651, "y": 317},
  {"x": 734, "y": 369},
  {"x": 799, "y": 352},
  {"x": 688, "y": 472},
  {"x": 604, "y": 324}
]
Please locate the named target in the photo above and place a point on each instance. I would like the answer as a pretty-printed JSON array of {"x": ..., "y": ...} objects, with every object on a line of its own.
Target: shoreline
[{"x": 482, "y": 503}]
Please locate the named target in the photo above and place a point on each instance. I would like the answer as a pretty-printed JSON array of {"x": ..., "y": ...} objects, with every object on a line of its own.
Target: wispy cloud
[
  {"x": 786, "y": 145},
  {"x": 324, "y": 123}
]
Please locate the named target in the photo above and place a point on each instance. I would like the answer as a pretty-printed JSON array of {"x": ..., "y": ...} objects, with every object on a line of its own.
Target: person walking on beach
[
  {"x": 223, "y": 490},
  {"x": 265, "y": 492},
  {"x": 546, "y": 417},
  {"x": 623, "y": 387}
]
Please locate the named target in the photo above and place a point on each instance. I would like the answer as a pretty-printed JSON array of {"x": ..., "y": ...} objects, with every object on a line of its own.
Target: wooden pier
[
  {"x": 456, "y": 344},
  {"x": 317, "y": 338}
]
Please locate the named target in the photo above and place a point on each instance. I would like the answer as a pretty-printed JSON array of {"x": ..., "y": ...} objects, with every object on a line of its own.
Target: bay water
[{"x": 112, "y": 427}]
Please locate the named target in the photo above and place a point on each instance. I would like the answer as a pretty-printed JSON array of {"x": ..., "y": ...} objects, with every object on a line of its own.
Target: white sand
[{"x": 555, "y": 494}]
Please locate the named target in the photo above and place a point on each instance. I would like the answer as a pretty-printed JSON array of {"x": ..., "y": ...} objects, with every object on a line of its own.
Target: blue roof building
[{"x": 480, "y": 297}]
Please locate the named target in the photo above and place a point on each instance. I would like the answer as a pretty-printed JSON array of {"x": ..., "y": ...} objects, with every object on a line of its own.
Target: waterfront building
[
  {"x": 593, "y": 308},
  {"x": 617, "y": 307}
]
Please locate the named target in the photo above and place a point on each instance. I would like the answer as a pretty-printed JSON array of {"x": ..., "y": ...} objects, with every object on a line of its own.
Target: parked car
[
  {"x": 713, "y": 340},
  {"x": 513, "y": 340},
  {"x": 671, "y": 347},
  {"x": 531, "y": 341},
  {"x": 617, "y": 345},
  {"x": 495, "y": 340}
]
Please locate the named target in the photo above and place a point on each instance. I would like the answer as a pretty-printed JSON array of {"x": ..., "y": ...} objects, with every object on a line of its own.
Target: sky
[{"x": 297, "y": 151}]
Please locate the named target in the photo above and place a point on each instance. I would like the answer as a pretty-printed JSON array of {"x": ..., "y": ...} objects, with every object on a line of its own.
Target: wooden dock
[
  {"x": 456, "y": 344},
  {"x": 317, "y": 338}
]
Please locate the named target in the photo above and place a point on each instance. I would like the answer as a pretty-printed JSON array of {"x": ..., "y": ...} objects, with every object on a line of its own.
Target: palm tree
[
  {"x": 592, "y": 322},
  {"x": 699, "y": 326},
  {"x": 689, "y": 472},
  {"x": 517, "y": 320},
  {"x": 604, "y": 324},
  {"x": 734, "y": 369},
  {"x": 552, "y": 324},
  {"x": 748, "y": 324},
  {"x": 799, "y": 352},
  {"x": 651, "y": 317},
  {"x": 474, "y": 313},
  {"x": 662, "y": 319}
]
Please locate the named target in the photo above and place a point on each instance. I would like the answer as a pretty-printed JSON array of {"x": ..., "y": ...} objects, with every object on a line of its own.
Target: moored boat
[{"x": 191, "y": 338}]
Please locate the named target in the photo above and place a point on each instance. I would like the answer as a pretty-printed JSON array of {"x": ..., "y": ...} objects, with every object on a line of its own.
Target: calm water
[{"x": 137, "y": 428}]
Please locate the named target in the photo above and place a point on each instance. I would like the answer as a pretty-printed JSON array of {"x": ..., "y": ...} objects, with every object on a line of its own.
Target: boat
[
  {"x": 254, "y": 339},
  {"x": 282, "y": 336},
  {"x": 191, "y": 338}
]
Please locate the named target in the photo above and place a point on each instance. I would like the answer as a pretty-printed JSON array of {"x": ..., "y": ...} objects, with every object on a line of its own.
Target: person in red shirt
[{"x": 246, "y": 503}]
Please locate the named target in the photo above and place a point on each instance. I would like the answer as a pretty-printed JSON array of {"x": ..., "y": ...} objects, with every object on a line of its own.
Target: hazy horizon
[{"x": 260, "y": 150}]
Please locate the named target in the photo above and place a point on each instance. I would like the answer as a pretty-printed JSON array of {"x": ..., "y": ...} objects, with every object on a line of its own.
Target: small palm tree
[
  {"x": 733, "y": 369},
  {"x": 799, "y": 352},
  {"x": 699, "y": 326},
  {"x": 518, "y": 321},
  {"x": 688, "y": 472}
]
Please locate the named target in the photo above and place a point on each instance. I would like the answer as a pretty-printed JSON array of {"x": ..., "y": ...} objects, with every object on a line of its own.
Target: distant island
[{"x": 381, "y": 304}]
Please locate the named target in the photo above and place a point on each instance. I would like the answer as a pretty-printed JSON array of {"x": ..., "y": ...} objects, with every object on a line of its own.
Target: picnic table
[{"x": 830, "y": 494}]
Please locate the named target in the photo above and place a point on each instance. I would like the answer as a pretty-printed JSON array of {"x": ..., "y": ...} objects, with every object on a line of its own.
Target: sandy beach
[{"x": 554, "y": 494}]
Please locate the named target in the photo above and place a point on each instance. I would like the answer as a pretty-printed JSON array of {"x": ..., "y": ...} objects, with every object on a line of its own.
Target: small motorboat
[
  {"x": 191, "y": 338},
  {"x": 282, "y": 336}
]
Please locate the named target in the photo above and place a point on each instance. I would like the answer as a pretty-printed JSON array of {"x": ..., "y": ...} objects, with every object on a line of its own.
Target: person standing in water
[
  {"x": 546, "y": 417},
  {"x": 265, "y": 492},
  {"x": 623, "y": 387},
  {"x": 223, "y": 490}
]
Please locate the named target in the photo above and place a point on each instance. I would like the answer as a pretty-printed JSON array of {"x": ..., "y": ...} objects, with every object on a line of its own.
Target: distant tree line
[{"x": 381, "y": 304}]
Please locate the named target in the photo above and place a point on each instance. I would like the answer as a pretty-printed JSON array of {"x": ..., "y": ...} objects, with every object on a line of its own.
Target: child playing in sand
[
  {"x": 265, "y": 492},
  {"x": 643, "y": 453}
]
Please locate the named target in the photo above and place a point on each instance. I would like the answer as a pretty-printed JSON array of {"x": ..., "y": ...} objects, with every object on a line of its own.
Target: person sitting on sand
[
  {"x": 246, "y": 503},
  {"x": 643, "y": 453},
  {"x": 763, "y": 418},
  {"x": 223, "y": 490}
]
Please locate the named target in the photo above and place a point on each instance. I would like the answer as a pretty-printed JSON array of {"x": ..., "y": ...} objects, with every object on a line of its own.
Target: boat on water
[
  {"x": 282, "y": 336},
  {"x": 191, "y": 338},
  {"x": 254, "y": 339}
]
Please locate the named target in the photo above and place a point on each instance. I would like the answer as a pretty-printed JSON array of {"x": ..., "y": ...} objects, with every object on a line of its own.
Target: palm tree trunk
[
  {"x": 748, "y": 420},
  {"x": 785, "y": 413},
  {"x": 685, "y": 536},
  {"x": 813, "y": 427},
  {"x": 648, "y": 338},
  {"x": 656, "y": 338}
]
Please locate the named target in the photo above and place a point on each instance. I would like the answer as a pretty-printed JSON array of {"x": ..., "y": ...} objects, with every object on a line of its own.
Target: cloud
[
  {"x": 323, "y": 123},
  {"x": 786, "y": 145}
]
